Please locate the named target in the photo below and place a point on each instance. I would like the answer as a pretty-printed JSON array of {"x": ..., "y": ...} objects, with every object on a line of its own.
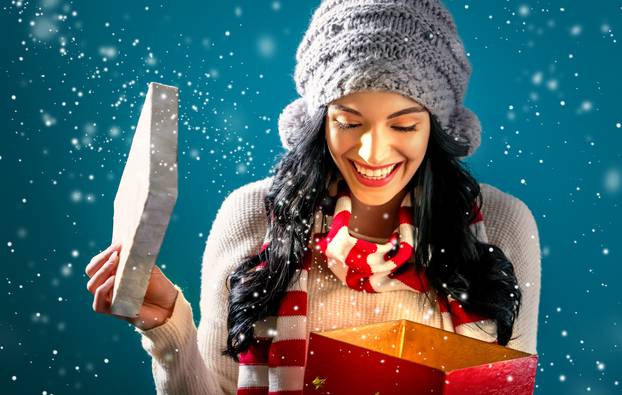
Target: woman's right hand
[{"x": 159, "y": 299}]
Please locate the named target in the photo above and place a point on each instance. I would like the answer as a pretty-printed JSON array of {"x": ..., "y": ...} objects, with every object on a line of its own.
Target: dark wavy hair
[{"x": 477, "y": 274}]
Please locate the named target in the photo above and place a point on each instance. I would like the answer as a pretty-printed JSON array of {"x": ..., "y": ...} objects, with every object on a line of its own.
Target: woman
[{"x": 369, "y": 217}]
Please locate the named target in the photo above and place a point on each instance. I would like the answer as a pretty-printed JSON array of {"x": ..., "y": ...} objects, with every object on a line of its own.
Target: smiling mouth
[{"x": 375, "y": 174}]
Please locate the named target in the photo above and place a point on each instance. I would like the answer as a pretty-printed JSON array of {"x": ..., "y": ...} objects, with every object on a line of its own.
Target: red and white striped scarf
[{"x": 274, "y": 363}]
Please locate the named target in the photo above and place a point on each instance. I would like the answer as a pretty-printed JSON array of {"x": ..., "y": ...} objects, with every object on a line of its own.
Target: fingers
[
  {"x": 100, "y": 259},
  {"x": 101, "y": 302},
  {"x": 103, "y": 273}
]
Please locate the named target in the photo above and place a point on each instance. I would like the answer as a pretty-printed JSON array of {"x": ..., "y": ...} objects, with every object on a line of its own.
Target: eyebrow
[{"x": 395, "y": 114}]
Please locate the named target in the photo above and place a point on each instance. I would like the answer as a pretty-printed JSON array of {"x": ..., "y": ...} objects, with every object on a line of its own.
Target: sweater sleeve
[
  {"x": 187, "y": 360},
  {"x": 177, "y": 365},
  {"x": 511, "y": 226}
]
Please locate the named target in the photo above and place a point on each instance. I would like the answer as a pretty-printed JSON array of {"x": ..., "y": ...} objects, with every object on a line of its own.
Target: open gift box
[{"x": 404, "y": 357}]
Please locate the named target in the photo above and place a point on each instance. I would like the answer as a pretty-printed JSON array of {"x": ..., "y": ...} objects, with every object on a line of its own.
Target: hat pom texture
[{"x": 291, "y": 122}]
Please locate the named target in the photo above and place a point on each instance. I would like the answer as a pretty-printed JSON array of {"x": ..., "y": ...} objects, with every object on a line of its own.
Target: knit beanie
[{"x": 405, "y": 46}]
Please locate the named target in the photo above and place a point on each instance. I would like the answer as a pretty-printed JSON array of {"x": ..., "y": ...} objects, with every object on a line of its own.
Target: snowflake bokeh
[{"x": 545, "y": 86}]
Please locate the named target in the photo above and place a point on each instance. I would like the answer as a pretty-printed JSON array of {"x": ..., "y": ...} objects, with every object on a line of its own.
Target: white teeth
[{"x": 374, "y": 174}]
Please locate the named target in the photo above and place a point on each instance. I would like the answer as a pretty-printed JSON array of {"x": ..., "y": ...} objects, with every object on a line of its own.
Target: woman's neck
[{"x": 377, "y": 222}]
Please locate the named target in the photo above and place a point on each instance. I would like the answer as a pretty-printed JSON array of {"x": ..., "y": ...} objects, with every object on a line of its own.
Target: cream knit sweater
[{"x": 188, "y": 361}]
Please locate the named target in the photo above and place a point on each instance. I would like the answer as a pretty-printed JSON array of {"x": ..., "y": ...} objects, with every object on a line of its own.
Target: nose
[{"x": 375, "y": 147}]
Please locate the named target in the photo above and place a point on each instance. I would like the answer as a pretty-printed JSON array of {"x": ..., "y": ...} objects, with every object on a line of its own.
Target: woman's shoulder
[
  {"x": 511, "y": 226},
  {"x": 502, "y": 209},
  {"x": 243, "y": 209},
  {"x": 240, "y": 223},
  {"x": 250, "y": 194}
]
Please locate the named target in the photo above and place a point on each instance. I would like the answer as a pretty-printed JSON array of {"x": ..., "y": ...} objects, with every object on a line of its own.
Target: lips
[
  {"x": 372, "y": 181},
  {"x": 374, "y": 172},
  {"x": 374, "y": 167}
]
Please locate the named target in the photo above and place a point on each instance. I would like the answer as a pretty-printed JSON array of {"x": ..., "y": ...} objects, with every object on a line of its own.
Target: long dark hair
[{"x": 479, "y": 275}]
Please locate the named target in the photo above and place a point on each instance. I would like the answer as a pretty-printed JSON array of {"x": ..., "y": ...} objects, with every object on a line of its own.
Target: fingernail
[{"x": 114, "y": 255}]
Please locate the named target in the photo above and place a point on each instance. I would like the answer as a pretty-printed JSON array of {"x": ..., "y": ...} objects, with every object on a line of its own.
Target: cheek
[
  {"x": 338, "y": 141},
  {"x": 414, "y": 148},
  {"x": 414, "y": 151}
]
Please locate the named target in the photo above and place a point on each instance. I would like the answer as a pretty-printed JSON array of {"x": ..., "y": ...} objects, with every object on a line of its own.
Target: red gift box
[{"x": 404, "y": 357}]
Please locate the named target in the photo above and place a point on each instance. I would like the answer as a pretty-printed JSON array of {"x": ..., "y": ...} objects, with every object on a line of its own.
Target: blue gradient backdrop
[{"x": 545, "y": 85}]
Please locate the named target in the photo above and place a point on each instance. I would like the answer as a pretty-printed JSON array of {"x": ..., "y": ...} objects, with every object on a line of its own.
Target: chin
[{"x": 372, "y": 198}]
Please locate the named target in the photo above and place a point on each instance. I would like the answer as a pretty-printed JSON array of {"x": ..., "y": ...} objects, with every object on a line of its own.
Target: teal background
[{"x": 545, "y": 85}]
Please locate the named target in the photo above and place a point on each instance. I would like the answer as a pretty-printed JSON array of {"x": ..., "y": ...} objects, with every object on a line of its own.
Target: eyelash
[{"x": 353, "y": 126}]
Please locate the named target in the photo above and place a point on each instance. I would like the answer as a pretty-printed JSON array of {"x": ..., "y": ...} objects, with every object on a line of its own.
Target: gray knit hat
[{"x": 406, "y": 46}]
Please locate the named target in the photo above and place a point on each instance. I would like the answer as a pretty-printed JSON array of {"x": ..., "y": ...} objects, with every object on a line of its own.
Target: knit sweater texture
[{"x": 187, "y": 360}]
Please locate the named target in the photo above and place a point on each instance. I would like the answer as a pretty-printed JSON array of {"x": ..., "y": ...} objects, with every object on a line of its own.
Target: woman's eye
[
  {"x": 406, "y": 128},
  {"x": 342, "y": 125}
]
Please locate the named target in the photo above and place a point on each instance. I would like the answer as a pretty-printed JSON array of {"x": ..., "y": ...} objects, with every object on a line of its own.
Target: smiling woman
[
  {"x": 377, "y": 139},
  {"x": 433, "y": 219},
  {"x": 370, "y": 215}
]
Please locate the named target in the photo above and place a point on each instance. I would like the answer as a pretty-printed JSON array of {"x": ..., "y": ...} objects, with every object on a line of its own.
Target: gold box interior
[{"x": 423, "y": 344}]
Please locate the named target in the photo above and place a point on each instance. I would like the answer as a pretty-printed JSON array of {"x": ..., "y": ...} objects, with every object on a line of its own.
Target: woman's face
[{"x": 378, "y": 140}]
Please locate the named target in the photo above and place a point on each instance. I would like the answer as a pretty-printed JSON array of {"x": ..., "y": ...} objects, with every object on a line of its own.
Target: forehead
[{"x": 380, "y": 103}]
